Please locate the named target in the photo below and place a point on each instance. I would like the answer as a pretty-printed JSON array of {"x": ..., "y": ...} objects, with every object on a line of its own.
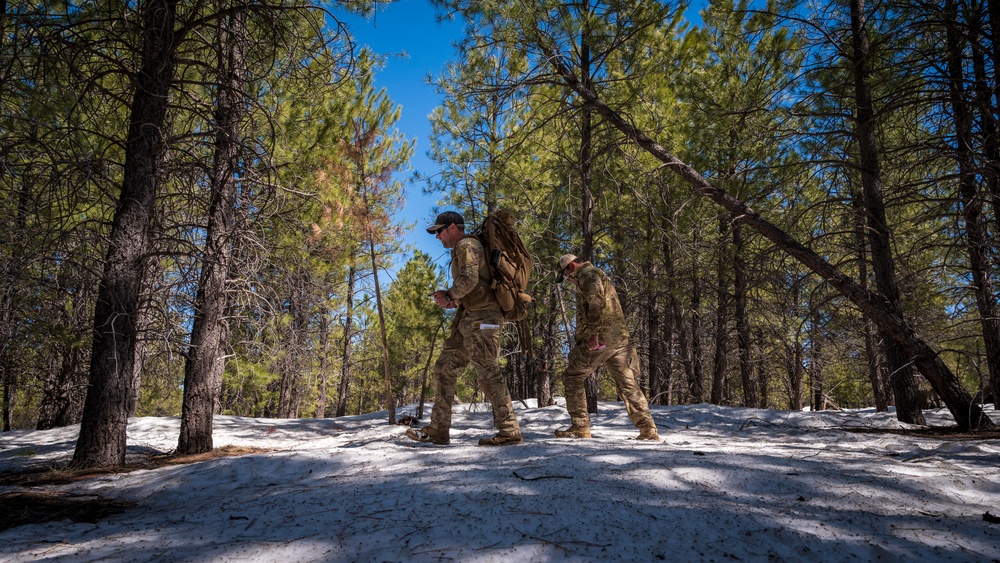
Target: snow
[{"x": 724, "y": 484}]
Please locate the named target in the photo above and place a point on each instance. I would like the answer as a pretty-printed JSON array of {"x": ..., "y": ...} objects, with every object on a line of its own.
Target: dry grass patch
[{"x": 20, "y": 508}]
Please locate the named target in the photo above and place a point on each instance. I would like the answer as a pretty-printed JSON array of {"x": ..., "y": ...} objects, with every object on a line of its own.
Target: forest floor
[{"x": 724, "y": 484}]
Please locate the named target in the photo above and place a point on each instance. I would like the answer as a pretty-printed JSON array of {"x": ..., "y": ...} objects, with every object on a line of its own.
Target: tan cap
[{"x": 564, "y": 261}]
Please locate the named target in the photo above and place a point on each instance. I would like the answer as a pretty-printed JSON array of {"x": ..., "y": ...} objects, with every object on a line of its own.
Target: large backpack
[{"x": 510, "y": 264}]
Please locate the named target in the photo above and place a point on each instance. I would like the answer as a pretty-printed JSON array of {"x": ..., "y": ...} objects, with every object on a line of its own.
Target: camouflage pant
[
  {"x": 622, "y": 362},
  {"x": 469, "y": 343}
]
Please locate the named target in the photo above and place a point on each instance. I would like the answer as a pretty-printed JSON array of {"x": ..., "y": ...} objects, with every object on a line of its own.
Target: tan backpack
[{"x": 510, "y": 264}]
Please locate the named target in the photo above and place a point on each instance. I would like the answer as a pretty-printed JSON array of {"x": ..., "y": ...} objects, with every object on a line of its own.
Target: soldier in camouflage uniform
[
  {"x": 475, "y": 337},
  {"x": 601, "y": 339}
]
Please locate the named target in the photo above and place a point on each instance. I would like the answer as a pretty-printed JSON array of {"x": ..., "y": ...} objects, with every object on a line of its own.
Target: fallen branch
[{"x": 542, "y": 477}]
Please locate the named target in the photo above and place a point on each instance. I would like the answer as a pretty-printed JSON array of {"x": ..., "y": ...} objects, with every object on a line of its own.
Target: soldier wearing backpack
[
  {"x": 601, "y": 339},
  {"x": 475, "y": 337}
]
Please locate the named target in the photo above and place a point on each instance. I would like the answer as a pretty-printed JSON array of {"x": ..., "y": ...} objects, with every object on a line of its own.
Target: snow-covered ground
[{"x": 725, "y": 484}]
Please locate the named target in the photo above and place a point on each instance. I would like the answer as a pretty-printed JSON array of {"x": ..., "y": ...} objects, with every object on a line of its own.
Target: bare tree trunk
[
  {"x": 347, "y": 364},
  {"x": 751, "y": 386},
  {"x": 989, "y": 113},
  {"x": 696, "y": 374},
  {"x": 794, "y": 351},
  {"x": 662, "y": 394},
  {"x": 719, "y": 365},
  {"x": 390, "y": 404},
  {"x": 976, "y": 237},
  {"x": 427, "y": 369},
  {"x": 904, "y": 383},
  {"x": 654, "y": 346},
  {"x": 591, "y": 385},
  {"x": 293, "y": 356},
  {"x": 324, "y": 365},
  {"x": 545, "y": 359},
  {"x": 102, "y": 433},
  {"x": 11, "y": 281},
  {"x": 205, "y": 361},
  {"x": 966, "y": 413},
  {"x": 985, "y": 102},
  {"x": 876, "y": 372},
  {"x": 794, "y": 371},
  {"x": 817, "y": 382}
]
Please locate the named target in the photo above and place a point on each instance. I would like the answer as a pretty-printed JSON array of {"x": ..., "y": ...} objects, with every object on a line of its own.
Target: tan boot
[
  {"x": 574, "y": 431},
  {"x": 428, "y": 434},
  {"x": 501, "y": 440},
  {"x": 648, "y": 433}
]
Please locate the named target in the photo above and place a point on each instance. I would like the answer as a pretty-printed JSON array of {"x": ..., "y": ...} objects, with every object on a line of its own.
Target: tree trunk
[
  {"x": 966, "y": 413},
  {"x": 985, "y": 102},
  {"x": 876, "y": 372},
  {"x": 324, "y": 365},
  {"x": 976, "y": 238},
  {"x": 721, "y": 316},
  {"x": 795, "y": 375},
  {"x": 427, "y": 369},
  {"x": 205, "y": 361},
  {"x": 662, "y": 394},
  {"x": 902, "y": 378},
  {"x": 390, "y": 404},
  {"x": 347, "y": 363},
  {"x": 696, "y": 375},
  {"x": 751, "y": 387},
  {"x": 102, "y": 437},
  {"x": 290, "y": 367},
  {"x": 817, "y": 382},
  {"x": 654, "y": 344},
  {"x": 591, "y": 385},
  {"x": 990, "y": 112}
]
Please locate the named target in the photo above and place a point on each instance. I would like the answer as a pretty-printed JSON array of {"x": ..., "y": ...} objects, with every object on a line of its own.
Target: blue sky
[
  {"x": 416, "y": 45},
  {"x": 410, "y": 27}
]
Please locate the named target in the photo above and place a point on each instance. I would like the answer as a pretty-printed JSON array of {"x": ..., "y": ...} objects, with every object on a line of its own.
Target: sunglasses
[{"x": 440, "y": 230}]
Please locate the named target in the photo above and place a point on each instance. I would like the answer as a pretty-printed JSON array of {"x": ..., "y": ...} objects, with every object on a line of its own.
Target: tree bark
[
  {"x": 205, "y": 360},
  {"x": 976, "y": 237},
  {"x": 751, "y": 387},
  {"x": 902, "y": 379},
  {"x": 390, "y": 404},
  {"x": 876, "y": 373},
  {"x": 591, "y": 385},
  {"x": 967, "y": 414},
  {"x": 324, "y": 365},
  {"x": 696, "y": 375},
  {"x": 347, "y": 363},
  {"x": 719, "y": 364},
  {"x": 102, "y": 433},
  {"x": 817, "y": 381}
]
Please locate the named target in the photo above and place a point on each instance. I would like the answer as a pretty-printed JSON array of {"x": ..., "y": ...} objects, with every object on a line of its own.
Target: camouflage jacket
[
  {"x": 597, "y": 308},
  {"x": 470, "y": 274}
]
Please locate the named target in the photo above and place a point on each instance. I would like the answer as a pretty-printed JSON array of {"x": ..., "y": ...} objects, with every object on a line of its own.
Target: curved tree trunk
[{"x": 967, "y": 413}]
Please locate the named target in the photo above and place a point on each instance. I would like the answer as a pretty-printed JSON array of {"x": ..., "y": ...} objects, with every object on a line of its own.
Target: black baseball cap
[{"x": 445, "y": 219}]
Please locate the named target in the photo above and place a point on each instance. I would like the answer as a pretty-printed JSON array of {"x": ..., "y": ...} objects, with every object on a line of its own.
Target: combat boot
[
  {"x": 501, "y": 440},
  {"x": 428, "y": 434},
  {"x": 574, "y": 431},
  {"x": 648, "y": 433}
]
